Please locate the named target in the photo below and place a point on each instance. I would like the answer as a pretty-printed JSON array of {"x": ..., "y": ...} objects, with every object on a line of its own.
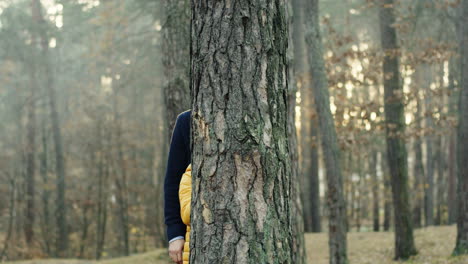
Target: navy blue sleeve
[{"x": 177, "y": 162}]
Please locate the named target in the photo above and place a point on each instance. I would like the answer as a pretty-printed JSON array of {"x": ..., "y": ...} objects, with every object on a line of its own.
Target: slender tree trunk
[
  {"x": 452, "y": 155},
  {"x": 297, "y": 209},
  {"x": 31, "y": 161},
  {"x": 429, "y": 180},
  {"x": 11, "y": 217},
  {"x": 395, "y": 126},
  {"x": 101, "y": 214},
  {"x": 46, "y": 228},
  {"x": 462, "y": 222},
  {"x": 31, "y": 141},
  {"x": 418, "y": 172},
  {"x": 375, "y": 191},
  {"x": 309, "y": 136},
  {"x": 440, "y": 166},
  {"x": 120, "y": 180},
  {"x": 61, "y": 242},
  {"x": 328, "y": 138},
  {"x": 242, "y": 185},
  {"x": 175, "y": 51},
  {"x": 387, "y": 193}
]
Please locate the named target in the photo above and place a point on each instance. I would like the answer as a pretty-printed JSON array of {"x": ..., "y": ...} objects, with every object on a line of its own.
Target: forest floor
[{"x": 434, "y": 244}]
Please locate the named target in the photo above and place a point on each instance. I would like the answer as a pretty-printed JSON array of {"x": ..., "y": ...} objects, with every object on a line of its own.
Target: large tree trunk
[
  {"x": 61, "y": 214},
  {"x": 395, "y": 127},
  {"x": 328, "y": 138},
  {"x": 241, "y": 198},
  {"x": 462, "y": 223},
  {"x": 175, "y": 50}
]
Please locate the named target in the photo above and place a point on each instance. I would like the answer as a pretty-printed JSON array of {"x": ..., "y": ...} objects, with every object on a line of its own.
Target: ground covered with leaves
[{"x": 434, "y": 244}]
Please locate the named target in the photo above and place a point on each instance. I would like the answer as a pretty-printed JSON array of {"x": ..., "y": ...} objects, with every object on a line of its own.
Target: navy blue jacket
[{"x": 180, "y": 156}]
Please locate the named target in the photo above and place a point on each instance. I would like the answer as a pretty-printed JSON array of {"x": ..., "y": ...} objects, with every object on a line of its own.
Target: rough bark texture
[
  {"x": 241, "y": 195},
  {"x": 328, "y": 138},
  {"x": 310, "y": 168},
  {"x": 395, "y": 126},
  {"x": 175, "y": 51},
  {"x": 462, "y": 223}
]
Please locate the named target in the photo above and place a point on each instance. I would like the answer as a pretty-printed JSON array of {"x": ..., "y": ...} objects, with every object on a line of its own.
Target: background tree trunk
[
  {"x": 395, "y": 126},
  {"x": 375, "y": 191},
  {"x": 61, "y": 243},
  {"x": 309, "y": 165},
  {"x": 175, "y": 51},
  {"x": 328, "y": 138},
  {"x": 241, "y": 178},
  {"x": 429, "y": 179},
  {"x": 462, "y": 223},
  {"x": 418, "y": 171}
]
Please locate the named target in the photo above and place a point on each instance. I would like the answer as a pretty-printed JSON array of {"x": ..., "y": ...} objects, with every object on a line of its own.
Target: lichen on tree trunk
[{"x": 242, "y": 189}]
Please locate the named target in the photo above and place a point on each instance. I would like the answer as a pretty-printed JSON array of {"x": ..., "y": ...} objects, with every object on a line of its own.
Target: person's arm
[{"x": 176, "y": 164}]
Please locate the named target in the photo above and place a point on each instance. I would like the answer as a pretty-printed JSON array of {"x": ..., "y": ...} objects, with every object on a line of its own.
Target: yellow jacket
[{"x": 185, "y": 198}]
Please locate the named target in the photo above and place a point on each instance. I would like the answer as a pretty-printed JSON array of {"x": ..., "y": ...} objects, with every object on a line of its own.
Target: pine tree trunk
[
  {"x": 309, "y": 168},
  {"x": 375, "y": 191},
  {"x": 175, "y": 51},
  {"x": 418, "y": 187},
  {"x": 452, "y": 155},
  {"x": 462, "y": 222},
  {"x": 328, "y": 138},
  {"x": 61, "y": 211},
  {"x": 429, "y": 179},
  {"x": 31, "y": 148},
  {"x": 242, "y": 186},
  {"x": 297, "y": 208},
  {"x": 395, "y": 126},
  {"x": 440, "y": 166}
]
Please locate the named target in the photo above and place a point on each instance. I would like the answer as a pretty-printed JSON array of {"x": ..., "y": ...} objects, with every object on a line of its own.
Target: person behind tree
[{"x": 178, "y": 159}]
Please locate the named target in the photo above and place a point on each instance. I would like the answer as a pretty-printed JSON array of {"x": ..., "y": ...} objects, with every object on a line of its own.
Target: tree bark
[
  {"x": 429, "y": 179},
  {"x": 328, "y": 138},
  {"x": 242, "y": 189},
  {"x": 462, "y": 222},
  {"x": 297, "y": 208},
  {"x": 375, "y": 191},
  {"x": 395, "y": 127},
  {"x": 175, "y": 51},
  {"x": 452, "y": 155},
  {"x": 309, "y": 169},
  {"x": 418, "y": 171}
]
